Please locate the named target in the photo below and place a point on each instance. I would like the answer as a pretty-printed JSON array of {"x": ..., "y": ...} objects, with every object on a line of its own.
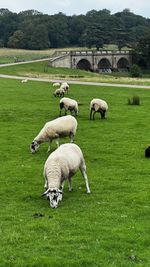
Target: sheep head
[
  {"x": 55, "y": 195},
  {"x": 34, "y": 146}
]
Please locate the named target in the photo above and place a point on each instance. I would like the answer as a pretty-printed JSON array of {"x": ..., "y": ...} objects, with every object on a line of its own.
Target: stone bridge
[{"x": 97, "y": 61}]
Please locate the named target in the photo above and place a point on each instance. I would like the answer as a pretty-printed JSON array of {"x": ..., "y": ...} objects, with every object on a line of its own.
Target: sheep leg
[
  {"x": 102, "y": 112},
  {"x": 62, "y": 185},
  {"x": 83, "y": 171},
  {"x": 49, "y": 147},
  {"x": 91, "y": 114},
  {"x": 71, "y": 135},
  {"x": 46, "y": 185},
  {"x": 57, "y": 142},
  {"x": 70, "y": 184},
  {"x": 94, "y": 115}
]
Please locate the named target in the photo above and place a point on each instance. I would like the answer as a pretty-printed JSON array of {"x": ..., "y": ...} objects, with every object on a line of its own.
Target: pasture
[
  {"x": 109, "y": 227},
  {"x": 43, "y": 70}
]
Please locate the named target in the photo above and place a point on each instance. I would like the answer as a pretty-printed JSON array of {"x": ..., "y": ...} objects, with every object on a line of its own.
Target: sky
[{"x": 76, "y": 7}]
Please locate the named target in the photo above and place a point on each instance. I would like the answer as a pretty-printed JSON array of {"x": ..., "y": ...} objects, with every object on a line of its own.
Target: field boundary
[{"x": 75, "y": 82}]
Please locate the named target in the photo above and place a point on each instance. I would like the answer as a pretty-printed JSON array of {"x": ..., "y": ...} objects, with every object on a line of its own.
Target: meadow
[
  {"x": 109, "y": 227},
  {"x": 43, "y": 70}
]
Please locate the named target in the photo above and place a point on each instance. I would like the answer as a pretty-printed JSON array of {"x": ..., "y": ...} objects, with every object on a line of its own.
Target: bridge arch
[
  {"x": 123, "y": 64},
  {"x": 84, "y": 64},
  {"x": 104, "y": 64}
]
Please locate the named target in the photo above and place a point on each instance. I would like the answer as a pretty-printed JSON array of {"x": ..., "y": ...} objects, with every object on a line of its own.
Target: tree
[
  {"x": 135, "y": 71},
  {"x": 16, "y": 40},
  {"x": 94, "y": 36},
  {"x": 141, "y": 54}
]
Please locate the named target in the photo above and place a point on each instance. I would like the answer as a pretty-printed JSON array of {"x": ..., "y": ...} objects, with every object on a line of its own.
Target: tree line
[{"x": 32, "y": 29}]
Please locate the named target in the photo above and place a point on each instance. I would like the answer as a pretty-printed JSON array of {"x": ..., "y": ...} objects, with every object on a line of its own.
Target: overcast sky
[{"x": 76, "y": 7}]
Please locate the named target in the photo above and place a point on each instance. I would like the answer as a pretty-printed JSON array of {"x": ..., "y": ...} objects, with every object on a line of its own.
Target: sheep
[
  {"x": 65, "y": 86},
  {"x": 24, "y": 81},
  {"x": 59, "y": 92},
  {"x": 147, "y": 152},
  {"x": 61, "y": 165},
  {"x": 56, "y": 84},
  {"x": 98, "y": 105},
  {"x": 53, "y": 130},
  {"x": 68, "y": 104}
]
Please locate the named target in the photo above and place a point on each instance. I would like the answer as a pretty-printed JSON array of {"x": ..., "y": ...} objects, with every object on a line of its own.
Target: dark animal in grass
[{"x": 147, "y": 152}]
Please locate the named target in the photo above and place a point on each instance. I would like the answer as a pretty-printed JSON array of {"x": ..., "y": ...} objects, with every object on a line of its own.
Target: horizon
[{"x": 74, "y": 7}]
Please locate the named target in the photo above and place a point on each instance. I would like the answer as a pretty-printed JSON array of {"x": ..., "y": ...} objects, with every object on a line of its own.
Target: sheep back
[
  {"x": 67, "y": 102},
  {"x": 97, "y": 104},
  {"x": 59, "y": 127},
  {"x": 63, "y": 163}
]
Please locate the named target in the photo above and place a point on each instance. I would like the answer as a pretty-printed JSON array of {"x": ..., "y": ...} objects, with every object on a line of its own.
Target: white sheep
[
  {"x": 65, "y": 86},
  {"x": 61, "y": 165},
  {"x": 59, "y": 92},
  {"x": 98, "y": 105},
  {"x": 55, "y": 129},
  {"x": 68, "y": 104},
  {"x": 56, "y": 84},
  {"x": 24, "y": 81}
]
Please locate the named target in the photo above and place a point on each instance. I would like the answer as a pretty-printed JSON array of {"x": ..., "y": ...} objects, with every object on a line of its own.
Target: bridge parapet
[{"x": 93, "y": 60}]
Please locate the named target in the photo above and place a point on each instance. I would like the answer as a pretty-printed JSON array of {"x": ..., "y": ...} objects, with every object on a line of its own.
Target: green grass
[
  {"x": 42, "y": 70},
  {"x": 109, "y": 227},
  {"x": 8, "y": 55}
]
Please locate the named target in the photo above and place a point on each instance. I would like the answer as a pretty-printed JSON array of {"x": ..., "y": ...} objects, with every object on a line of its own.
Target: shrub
[
  {"x": 135, "y": 100},
  {"x": 135, "y": 71}
]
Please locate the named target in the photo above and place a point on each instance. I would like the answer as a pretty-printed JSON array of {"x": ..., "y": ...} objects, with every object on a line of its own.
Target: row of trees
[{"x": 31, "y": 29}]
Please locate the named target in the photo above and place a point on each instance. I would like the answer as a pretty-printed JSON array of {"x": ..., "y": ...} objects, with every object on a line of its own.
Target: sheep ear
[{"x": 46, "y": 192}]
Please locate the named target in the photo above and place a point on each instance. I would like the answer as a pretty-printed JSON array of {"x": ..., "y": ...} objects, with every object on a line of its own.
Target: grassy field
[
  {"x": 42, "y": 70},
  {"x": 12, "y": 55},
  {"x": 109, "y": 227}
]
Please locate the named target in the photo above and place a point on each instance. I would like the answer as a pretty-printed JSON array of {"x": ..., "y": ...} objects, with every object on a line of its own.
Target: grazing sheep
[
  {"x": 59, "y": 92},
  {"x": 98, "y": 105},
  {"x": 56, "y": 84},
  {"x": 61, "y": 165},
  {"x": 147, "y": 152},
  {"x": 24, "y": 81},
  {"x": 55, "y": 129},
  {"x": 68, "y": 104},
  {"x": 65, "y": 86}
]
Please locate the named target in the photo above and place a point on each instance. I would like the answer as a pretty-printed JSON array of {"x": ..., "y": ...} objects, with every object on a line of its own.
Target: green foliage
[
  {"x": 91, "y": 30},
  {"x": 108, "y": 228},
  {"x": 141, "y": 54},
  {"x": 16, "y": 40},
  {"x": 135, "y": 100},
  {"x": 135, "y": 71}
]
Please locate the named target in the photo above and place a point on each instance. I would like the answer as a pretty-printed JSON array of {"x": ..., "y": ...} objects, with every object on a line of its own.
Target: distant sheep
[
  {"x": 56, "y": 84},
  {"x": 61, "y": 165},
  {"x": 98, "y": 105},
  {"x": 59, "y": 92},
  {"x": 68, "y": 104},
  {"x": 65, "y": 86},
  {"x": 24, "y": 81},
  {"x": 55, "y": 129}
]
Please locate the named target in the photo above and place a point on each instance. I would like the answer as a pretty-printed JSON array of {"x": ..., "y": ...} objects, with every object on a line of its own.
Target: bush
[
  {"x": 135, "y": 100},
  {"x": 135, "y": 71}
]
